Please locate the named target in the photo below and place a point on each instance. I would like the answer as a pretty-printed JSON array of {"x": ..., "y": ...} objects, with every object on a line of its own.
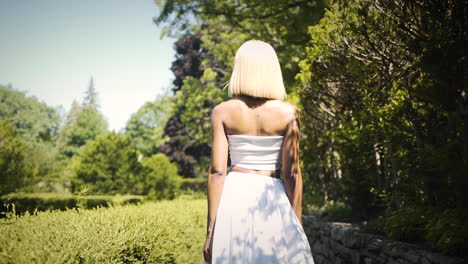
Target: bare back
[{"x": 256, "y": 116}]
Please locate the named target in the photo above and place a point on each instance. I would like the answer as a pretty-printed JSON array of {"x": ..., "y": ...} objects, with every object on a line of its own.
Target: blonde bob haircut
[{"x": 257, "y": 72}]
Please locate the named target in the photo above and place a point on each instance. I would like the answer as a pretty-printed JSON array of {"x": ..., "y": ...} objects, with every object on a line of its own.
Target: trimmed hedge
[
  {"x": 152, "y": 232},
  {"x": 29, "y": 202},
  {"x": 195, "y": 184}
]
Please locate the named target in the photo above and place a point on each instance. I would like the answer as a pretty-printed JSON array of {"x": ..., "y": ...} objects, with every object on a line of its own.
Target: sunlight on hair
[{"x": 257, "y": 72}]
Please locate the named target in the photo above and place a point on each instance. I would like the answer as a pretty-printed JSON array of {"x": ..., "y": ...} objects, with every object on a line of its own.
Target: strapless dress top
[{"x": 255, "y": 152}]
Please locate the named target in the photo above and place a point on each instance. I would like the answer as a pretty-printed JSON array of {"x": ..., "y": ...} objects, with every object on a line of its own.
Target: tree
[
  {"x": 91, "y": 96},
  {"x": 222, "y": 26},
  {"x": 385, "y": 103},
  {"x": 73, "y": 114},
  {"x": 227, "y": 23},
  {"x": 36, "y": 125},
  {"x": 190, "y": 127},
  {"x": 180, "y": 146},
  {"x": 86, "y": 125},
  {"x": 84, "y": 122},
  {"x": 192, "y": 103},
  {"x": 146, "y": 126},
  {"x": 108, "y": 165},
  {"x": 188, "y": 59},
  {"x": 33, "y": 120},
  {"x": 14, "y": 170},
  {"x": 195, "y": 101}
]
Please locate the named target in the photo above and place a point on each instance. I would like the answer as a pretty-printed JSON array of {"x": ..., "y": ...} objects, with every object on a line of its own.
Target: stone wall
[{"x": 336, "y": 243}]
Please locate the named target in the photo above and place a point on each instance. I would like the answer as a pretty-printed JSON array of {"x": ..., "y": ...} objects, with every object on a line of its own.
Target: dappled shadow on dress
[{"x": 256, "y": 224}]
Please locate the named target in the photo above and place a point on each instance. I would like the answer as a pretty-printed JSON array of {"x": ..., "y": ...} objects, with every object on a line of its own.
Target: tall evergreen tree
[
  {"x": 72, "y": 115},
  {"x": 84, "y": 122},
  {"x": 91, "y": 95}
]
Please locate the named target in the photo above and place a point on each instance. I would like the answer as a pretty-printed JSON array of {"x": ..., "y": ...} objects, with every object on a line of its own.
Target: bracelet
[{"x": 207, "y": 236}]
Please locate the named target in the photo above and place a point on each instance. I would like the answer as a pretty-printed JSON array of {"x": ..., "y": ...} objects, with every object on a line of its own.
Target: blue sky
[{"x": 51, "y": 48}]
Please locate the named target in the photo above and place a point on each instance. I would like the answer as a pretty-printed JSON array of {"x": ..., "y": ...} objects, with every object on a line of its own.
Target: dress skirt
[{"x": 256, "y": 224}]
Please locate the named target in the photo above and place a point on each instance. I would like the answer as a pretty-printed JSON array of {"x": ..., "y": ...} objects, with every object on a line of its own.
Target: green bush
[
  {"x": 448, "y": 232},
  {"x": 153, "y": 232},
  {"x": 108, "y": 165},
  {"x": 444, "y": 230},
  {"x": 407, "y": 224},
  {"x": 159, "y": 178},
  {"x": 195, "y": 184},
  {"x": 132, "y": 201},
  {"x": 30, "y": 202},
  {"x": 331, "y": 210}
]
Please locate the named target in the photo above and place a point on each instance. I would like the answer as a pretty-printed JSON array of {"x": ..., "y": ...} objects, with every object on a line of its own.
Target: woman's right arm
[{"x": 291, "y": 170}]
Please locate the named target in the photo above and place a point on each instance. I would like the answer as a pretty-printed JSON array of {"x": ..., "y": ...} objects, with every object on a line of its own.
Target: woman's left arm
[{"x": 218, "y": 167}]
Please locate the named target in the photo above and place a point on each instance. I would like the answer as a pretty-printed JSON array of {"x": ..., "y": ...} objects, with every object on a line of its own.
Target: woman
[{"x": 253, "y": 215}]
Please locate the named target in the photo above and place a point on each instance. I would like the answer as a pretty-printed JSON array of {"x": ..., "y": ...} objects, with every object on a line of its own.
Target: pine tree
[
  {"x": 91, "y": 96},
  {"x": 83, "y": 123},
  {"x": 73, "y": 113}
]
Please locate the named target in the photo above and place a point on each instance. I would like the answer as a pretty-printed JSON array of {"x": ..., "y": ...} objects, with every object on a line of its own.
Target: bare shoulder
[
  {"x": 228, "y": 105},
  {"x": 286, "y": 109},
  {"x": 222, "y": 108},
  {"x": 292, "y": 109}
]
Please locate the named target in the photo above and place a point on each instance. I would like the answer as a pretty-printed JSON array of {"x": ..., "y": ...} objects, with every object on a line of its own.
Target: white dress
[{"x": 255, "y": 223}]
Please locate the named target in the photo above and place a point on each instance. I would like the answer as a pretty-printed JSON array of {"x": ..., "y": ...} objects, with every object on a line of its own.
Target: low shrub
[
  {"x": 407, "y": 224},
  {"x": 448, "y": 232},
  {"x": 30, "y": 202},
  {"x": 332, "y": 211},
  {"x": 194, "y": 184},
  {"x": 444, "y": 230},
  {"x": 153, "y": 232}
]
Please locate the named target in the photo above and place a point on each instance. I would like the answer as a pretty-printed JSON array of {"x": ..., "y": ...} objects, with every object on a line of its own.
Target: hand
[{"x": 207, "y": 249}]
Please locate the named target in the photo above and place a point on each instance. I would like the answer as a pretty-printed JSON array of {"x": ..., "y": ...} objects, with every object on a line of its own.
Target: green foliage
[
  {"x": 444, "y": 230},
  {"x": 14, "y": 170},
  {"x": 408, "y": 224},
  {"x": 376, "y": 126},
  {"x": 447, "y": 231},
  {"x": 160, "y": 179},
  {"x": 189, "y": 154},
  {"x": 109, "y": 165},
  {"x": 36, "y": 125},
  {"x": 32, "y": 202},
  {"x": 383, "y": 95},
  {"x": 83, "y": 124},
  {"x": 34, "y": 121},
  {"x": 226, "y": 24},
  {"x": 193, "y": 104},
  {"x": 195, "y": 184},
  {"x": 146, "y": 126},
  {"x": 223, "y": 27},
  {"x": 195, "y": 101},
  {"x": 332, "y": 211},
  {"x": 163, "y": 232}
]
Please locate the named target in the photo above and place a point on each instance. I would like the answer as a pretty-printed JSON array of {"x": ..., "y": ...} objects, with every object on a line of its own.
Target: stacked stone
[{"x": 339, "y": 243}]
